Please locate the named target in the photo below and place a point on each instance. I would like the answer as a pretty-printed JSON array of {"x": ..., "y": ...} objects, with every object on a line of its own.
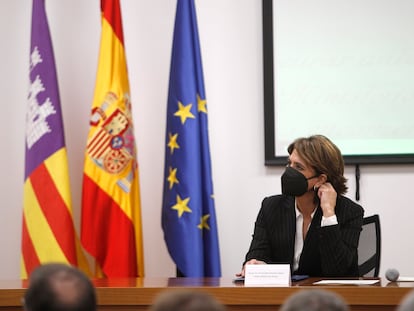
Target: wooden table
[{"x": 138, "y": 294}]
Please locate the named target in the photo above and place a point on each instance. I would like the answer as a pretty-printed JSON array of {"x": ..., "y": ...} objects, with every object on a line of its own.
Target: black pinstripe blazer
[{"x": 327, "y": 251}]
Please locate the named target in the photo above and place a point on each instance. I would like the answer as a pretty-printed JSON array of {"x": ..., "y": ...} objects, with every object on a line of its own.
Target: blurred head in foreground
[
  {"x": 59, "y": 287},
  {"x": 407, "y": 304},
  {"x": 314, "y": 300},
  {"x": 186, "y": 300}
]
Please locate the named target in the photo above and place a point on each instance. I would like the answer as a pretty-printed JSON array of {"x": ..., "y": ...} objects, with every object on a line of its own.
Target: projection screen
[{"x": 344, "y": 69}]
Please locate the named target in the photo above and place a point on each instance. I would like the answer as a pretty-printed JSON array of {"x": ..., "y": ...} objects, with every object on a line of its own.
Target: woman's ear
[{"x": 323, "y": 178}]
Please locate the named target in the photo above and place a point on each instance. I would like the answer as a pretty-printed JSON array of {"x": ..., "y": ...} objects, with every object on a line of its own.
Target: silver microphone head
[{"x": 392, "y": 275}]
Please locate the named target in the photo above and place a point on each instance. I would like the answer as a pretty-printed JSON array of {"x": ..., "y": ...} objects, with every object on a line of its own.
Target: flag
[
  {"x": 48, "y": 233},
  {"x": 188, "y": 213},
  {"x": 111, "y": 214}
]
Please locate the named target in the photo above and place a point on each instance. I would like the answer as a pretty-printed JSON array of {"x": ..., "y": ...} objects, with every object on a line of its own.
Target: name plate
[{"x": 267, "y": 275}]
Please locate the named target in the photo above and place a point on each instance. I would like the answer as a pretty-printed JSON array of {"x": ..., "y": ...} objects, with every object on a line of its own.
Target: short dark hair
[
  {"x": 59, "y": 287},
  {"x": 315, "y": 300},
  {"x": 186, "y": 300},
  {"x": 324, "y": 157}
]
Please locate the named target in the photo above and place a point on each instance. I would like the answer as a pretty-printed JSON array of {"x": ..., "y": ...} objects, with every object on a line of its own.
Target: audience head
[
  {"x": 325, "y": 158},
  {"x": 59, "y": 287},
  {"x": 186, "y": 300},
  {"x": 315, "y": 300},
  {"x": 407, "y": 304}
]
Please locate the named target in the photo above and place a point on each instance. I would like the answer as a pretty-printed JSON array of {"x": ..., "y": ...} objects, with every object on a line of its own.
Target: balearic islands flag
[
  {"x": 48, "y": 233},
  {"x": 188, "y": 214},
  {"x": 111, "y": 215}
]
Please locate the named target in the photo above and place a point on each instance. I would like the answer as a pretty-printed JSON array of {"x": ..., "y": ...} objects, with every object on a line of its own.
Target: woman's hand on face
[
  {"x": 250, "y": 262},
  {"x": 327, "y": 196}
]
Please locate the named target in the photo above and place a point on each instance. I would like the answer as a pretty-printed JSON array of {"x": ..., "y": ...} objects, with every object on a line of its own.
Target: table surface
[{"x": 142, "y": 291}]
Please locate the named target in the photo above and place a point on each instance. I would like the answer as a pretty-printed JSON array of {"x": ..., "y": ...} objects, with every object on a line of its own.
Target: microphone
[{"x": 393, "y": 275}]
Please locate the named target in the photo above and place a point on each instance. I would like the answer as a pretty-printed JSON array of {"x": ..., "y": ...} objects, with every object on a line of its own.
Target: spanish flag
[
  {"x": 48, "y": 233},
  {"x": 111, "y": 228}
]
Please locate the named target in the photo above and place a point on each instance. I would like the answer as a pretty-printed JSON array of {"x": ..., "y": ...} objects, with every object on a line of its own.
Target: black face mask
[{"x": 294, "y": 182}]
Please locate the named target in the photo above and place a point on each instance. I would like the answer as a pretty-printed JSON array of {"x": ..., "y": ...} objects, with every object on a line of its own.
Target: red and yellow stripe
[{"x": 48, "y": 230}]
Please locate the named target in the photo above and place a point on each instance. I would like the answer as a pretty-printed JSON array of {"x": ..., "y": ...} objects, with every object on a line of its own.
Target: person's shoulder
[
  {"x": 277, "y": 205},
  {"x": 277, "y": 200},
  {"x": 350, "y": 206}
]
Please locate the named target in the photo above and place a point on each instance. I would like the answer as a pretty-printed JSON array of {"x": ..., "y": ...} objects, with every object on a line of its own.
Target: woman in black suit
[{"x": 311, "y": 225}]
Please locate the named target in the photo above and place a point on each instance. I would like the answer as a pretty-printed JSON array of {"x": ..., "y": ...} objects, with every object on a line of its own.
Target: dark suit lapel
[
  {"x": 310, "y": 245},
  {"x": 315, "y": 224},
  {"x": 289, "y": 210}
]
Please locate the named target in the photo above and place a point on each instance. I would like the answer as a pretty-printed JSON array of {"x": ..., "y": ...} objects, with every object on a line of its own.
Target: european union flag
[{"x": 188, "y": 214}]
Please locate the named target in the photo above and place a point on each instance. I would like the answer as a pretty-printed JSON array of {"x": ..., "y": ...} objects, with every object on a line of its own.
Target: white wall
[{"x": 230, "y": 33}]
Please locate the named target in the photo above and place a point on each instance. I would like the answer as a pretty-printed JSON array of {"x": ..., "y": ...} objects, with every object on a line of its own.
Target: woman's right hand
[{"x": 250, "y": 262}]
